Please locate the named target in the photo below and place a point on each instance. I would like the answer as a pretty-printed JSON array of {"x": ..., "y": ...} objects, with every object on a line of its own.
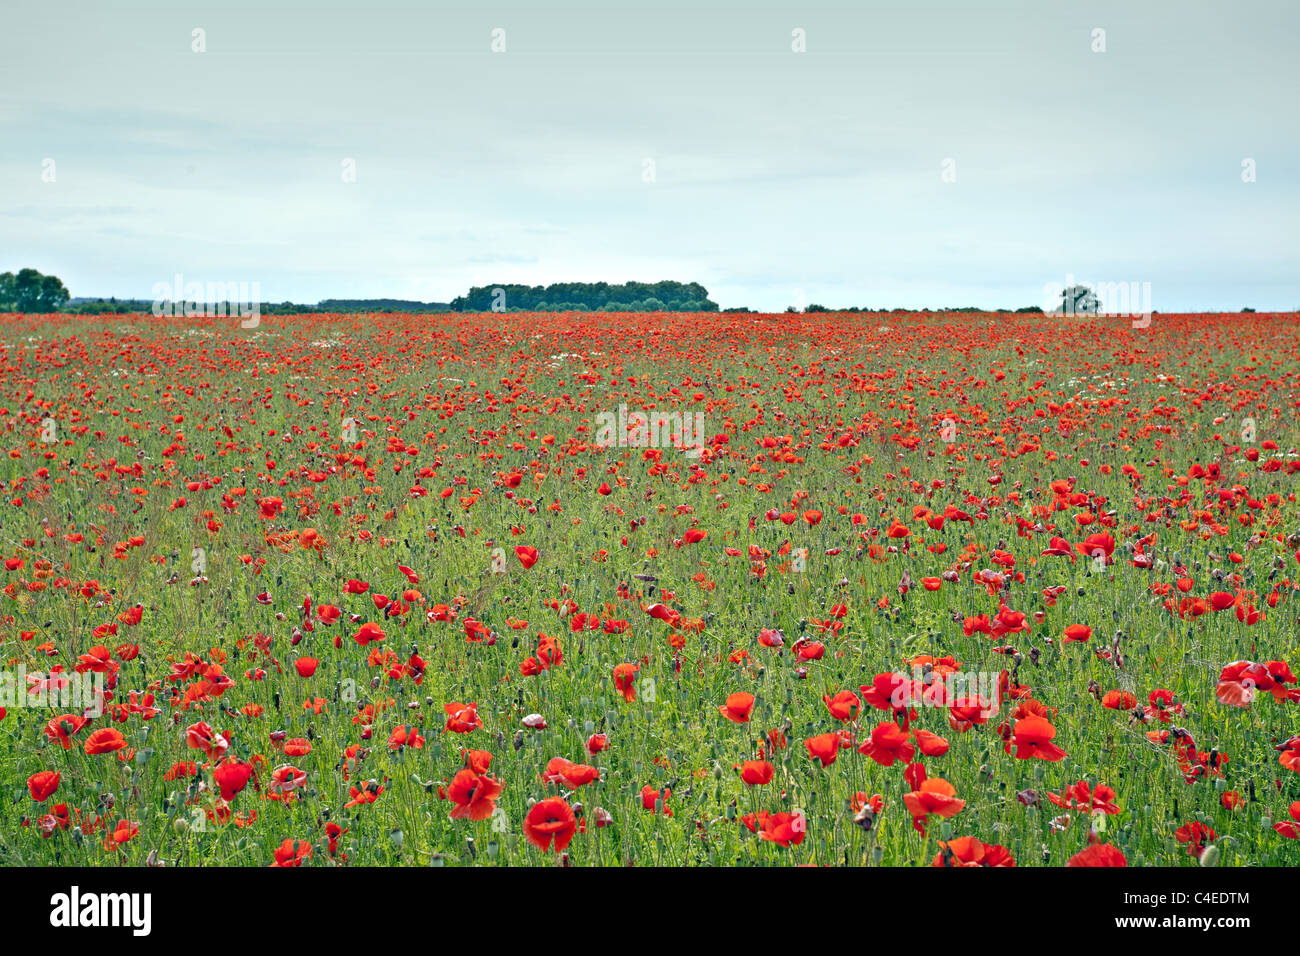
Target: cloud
[{"x": 773, "y": 171}]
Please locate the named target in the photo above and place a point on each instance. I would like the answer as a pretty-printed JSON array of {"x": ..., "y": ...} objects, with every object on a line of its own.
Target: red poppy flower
[
  {"x": 104, "y": 741},
  {"x": 292, "y": 853},
  {"x": 63, "y": 727},
  {"x": 462, "y": 718},
  {"x": 934, "y": 796},
  {"x": 368, "y": 632},
  {"x": 887, "y": 744},
  {"x": 784, "y": 829},
  {"x": 43, "y": 784},
  {"x": 738, "y": 707},
  {"x": 571, "y": 775},
  {"x": 473, "y": 794},
  {"x": 1098, "y": 854},
  {"x": 1196, "y": 835},
  {"x": 550, "y": 820},
  {"x": 232, "y": 776},
  {"x": 844, "y": 705},
  {"x": 625, "y": 681},
  {"x": 654, "y": 800},
  {"x": 824, "y": 747},
  {"x": 1032, "y": 737},
  {"x": 931, "y": 745},
  {"x": 968, "y": 851}
]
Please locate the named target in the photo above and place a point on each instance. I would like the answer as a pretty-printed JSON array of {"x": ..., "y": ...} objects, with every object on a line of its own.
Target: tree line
[
  {"x": 29, "y": 291},
  {"x": 666, "y": 296}
]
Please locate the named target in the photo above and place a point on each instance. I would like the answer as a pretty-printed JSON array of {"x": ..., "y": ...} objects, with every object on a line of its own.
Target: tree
[
  {"x": 1078, "y": 300},
  {"x": 29, "y": 291}
]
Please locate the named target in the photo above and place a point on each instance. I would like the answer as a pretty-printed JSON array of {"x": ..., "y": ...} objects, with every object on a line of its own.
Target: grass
[{"x": 856, "y": 405}]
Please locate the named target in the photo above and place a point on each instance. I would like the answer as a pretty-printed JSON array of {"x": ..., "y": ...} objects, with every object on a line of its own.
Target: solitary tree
[{"x": 1078, "y": 300}]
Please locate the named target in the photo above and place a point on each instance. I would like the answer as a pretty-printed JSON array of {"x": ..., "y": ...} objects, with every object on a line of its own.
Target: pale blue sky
[{"x": 778, "y": 175}]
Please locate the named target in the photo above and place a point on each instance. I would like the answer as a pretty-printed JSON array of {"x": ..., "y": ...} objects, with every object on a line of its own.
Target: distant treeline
[
  {"x": 379, "y": 305},
  {"x": 89, "y": 306},
  {"x": 664, "y": 296},
  {"x": 965, "y": 308},
  {"x": 30, "y": 291}
]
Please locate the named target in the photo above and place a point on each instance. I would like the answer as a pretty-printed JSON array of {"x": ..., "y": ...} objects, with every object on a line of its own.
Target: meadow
[{"x": 650, "y": 589}]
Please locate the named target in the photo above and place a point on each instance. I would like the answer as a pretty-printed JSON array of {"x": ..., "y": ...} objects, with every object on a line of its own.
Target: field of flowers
[{"x": 584, "y": 589}]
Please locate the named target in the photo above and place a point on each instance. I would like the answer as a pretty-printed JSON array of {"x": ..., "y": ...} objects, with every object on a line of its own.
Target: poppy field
[{"x": 712, "y": 589}]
